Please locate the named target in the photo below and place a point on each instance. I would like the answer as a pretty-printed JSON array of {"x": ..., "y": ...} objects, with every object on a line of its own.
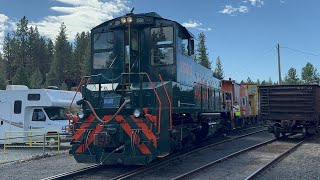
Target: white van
[{"x": 34, "y": 110}]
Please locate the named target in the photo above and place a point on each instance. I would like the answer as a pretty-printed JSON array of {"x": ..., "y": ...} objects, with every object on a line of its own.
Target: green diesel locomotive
[{"x": 146, "y": 97}]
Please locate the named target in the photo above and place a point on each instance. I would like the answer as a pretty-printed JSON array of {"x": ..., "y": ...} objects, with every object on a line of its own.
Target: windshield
[
  {"x": 56, "y": 113},
  {"x": 103, "y": 40}
]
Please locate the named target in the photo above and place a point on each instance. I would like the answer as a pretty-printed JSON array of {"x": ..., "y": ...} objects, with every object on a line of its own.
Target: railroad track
[
  {"x": 97, "y": 167},
  {"x": 135, "y": 172},
  {"x": 196, "y": 172}
]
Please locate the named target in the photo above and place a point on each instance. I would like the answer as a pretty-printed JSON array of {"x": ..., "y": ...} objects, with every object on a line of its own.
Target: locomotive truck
[{"x": 145, "y": 97}]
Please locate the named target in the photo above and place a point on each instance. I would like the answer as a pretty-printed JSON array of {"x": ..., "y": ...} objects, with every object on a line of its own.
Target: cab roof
[{"x": 153, "y": 15}]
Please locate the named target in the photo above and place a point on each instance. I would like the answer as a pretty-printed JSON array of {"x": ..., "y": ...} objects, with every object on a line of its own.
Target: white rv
[{"x": 34, "y": 110}]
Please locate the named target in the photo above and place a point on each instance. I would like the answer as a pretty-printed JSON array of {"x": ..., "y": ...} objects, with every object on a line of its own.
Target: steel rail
[
  {"x": 274, "y": 161},
  {"x": 177, "y": 156},
  {"x": 198, "y": 170},
  {"x": 73, "y": 173}
]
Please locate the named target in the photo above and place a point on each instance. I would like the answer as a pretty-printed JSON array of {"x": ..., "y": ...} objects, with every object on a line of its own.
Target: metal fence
[{"x": 24, "y": 145}]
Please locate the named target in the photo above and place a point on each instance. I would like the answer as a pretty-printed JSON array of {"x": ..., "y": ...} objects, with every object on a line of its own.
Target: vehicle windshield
[{"x": 56, "y": 113}]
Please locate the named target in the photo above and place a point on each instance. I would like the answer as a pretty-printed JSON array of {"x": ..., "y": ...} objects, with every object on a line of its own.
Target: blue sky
[{"x": 243, "y": 33}]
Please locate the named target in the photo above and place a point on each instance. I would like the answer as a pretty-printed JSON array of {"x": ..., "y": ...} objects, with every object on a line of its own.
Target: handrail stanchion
[
  {"x": 69, "y": 118},
  {"x": 160, "y": 109},
  {"x": 169, "y": 100},
  {"x": 5, "y": 142},
  {"x": 44, "y": 144},
  {"x": 30, "y": 138}
]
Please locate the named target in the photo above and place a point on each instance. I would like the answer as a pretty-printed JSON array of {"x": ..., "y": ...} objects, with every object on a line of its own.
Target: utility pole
[{"x": 279, "y": 67}]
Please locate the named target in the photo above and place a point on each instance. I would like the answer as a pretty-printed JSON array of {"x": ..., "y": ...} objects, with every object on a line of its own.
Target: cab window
[
  {"x": 103, "y": 40},
  {"x": 186, "y": 44},
  {"x": 162, "y": 52},
  {"x": 162, "y": 35},
  {"x": 38, "y": 115},
  {"x": 162, "y": 56},
  {"x": 103, "y": 60}
]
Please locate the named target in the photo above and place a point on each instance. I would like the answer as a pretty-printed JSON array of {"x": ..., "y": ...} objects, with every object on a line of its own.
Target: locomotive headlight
[
  {"x": 129, "y": 19},
  {"x": 137, "y": 113},
  {"x": 80, "y": 115},
  {"x": 123, "y": 20}
]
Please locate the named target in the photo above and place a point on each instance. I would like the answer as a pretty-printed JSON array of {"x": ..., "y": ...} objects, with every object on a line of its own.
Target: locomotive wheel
[
  {"x": 304, "y": 131},
  {"x": 276, "y": 131}
]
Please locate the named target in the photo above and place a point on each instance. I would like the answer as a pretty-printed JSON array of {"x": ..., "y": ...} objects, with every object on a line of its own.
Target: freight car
[
  {"x": 246, "y": 97},
  {"x": 253, "y": 97},
  {"x": 291, "y": 108},
  {"x": 146, "y": 96}
]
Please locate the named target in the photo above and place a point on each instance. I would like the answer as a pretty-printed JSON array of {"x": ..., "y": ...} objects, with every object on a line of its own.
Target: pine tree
[
  {"x": 20, "y": 78},
  {"x": 3, "y": 82},
  {"x": 309, "y": 73},
  {"x": 36, "y": 80},
  {"x": 258, "y": 82},
  {"x": 264, "y": 83},
  {"x": 62, "y": 62},
  {"x": 81, "y": 53},
  {"x": 9, "y": 55},
  {"x": 269, "y": 81},
  {"x": 202, "y": 54},
  {"x": 291, "y": 77},
  {"x": 249, "y": 80},
  {"x": 218, "y": 71},
  {"x": 21, "y": 36},
  {"x": 51, "y": 78}
]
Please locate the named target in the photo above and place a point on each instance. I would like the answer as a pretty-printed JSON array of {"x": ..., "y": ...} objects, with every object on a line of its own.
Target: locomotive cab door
[{"x": 132, "y": 50}]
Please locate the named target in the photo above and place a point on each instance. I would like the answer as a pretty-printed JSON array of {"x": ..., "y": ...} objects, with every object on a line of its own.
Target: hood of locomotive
[{"x": 128, "y": 138}]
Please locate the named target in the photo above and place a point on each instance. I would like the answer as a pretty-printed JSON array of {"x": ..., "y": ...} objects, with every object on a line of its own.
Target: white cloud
[
  {"x": 230, "y": 10},
  {"x": 258, "y": 3},
  {"x": 195, "y": 24},
  {"x": 243, "y": 9},
  {"x": 282, "y": 1},
  {"x": 192, "y": 24},
  {"x": 80, "y": 15},
  {"x": 3, "y": 27}
]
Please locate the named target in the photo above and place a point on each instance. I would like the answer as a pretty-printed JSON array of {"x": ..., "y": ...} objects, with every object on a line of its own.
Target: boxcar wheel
[
  {"x": 304, "y": 131},
  {"x": 276, "y": 134}
]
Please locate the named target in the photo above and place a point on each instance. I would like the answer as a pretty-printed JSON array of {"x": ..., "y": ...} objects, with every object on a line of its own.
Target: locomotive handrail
[
  {"x": 169, "y": 100},
  {"x": 69, "y": 117},
  {"x": 154, "y": 90}
]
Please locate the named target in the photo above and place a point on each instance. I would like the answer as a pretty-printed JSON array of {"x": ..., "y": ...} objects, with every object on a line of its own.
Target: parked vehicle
[{"x": 34, "y": 110}]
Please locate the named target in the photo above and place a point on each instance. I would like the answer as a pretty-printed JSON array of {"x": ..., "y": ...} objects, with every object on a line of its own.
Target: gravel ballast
[
  {"x": 39, "y": 168},
  {"x": 304, "y": 163}
]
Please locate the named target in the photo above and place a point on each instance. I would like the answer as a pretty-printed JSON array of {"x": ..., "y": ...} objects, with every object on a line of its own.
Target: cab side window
[
  {"x": 38, "y": 115},
  {"x": 186, "y": 44}
]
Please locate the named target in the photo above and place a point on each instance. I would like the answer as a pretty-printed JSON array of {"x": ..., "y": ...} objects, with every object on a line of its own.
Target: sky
[{"x": 243, "y": 33}]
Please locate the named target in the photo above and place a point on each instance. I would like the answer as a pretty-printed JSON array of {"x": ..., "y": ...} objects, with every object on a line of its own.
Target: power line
[
  {"x": 245, "y": 66},
  {"x": 303, "y": 52}
]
